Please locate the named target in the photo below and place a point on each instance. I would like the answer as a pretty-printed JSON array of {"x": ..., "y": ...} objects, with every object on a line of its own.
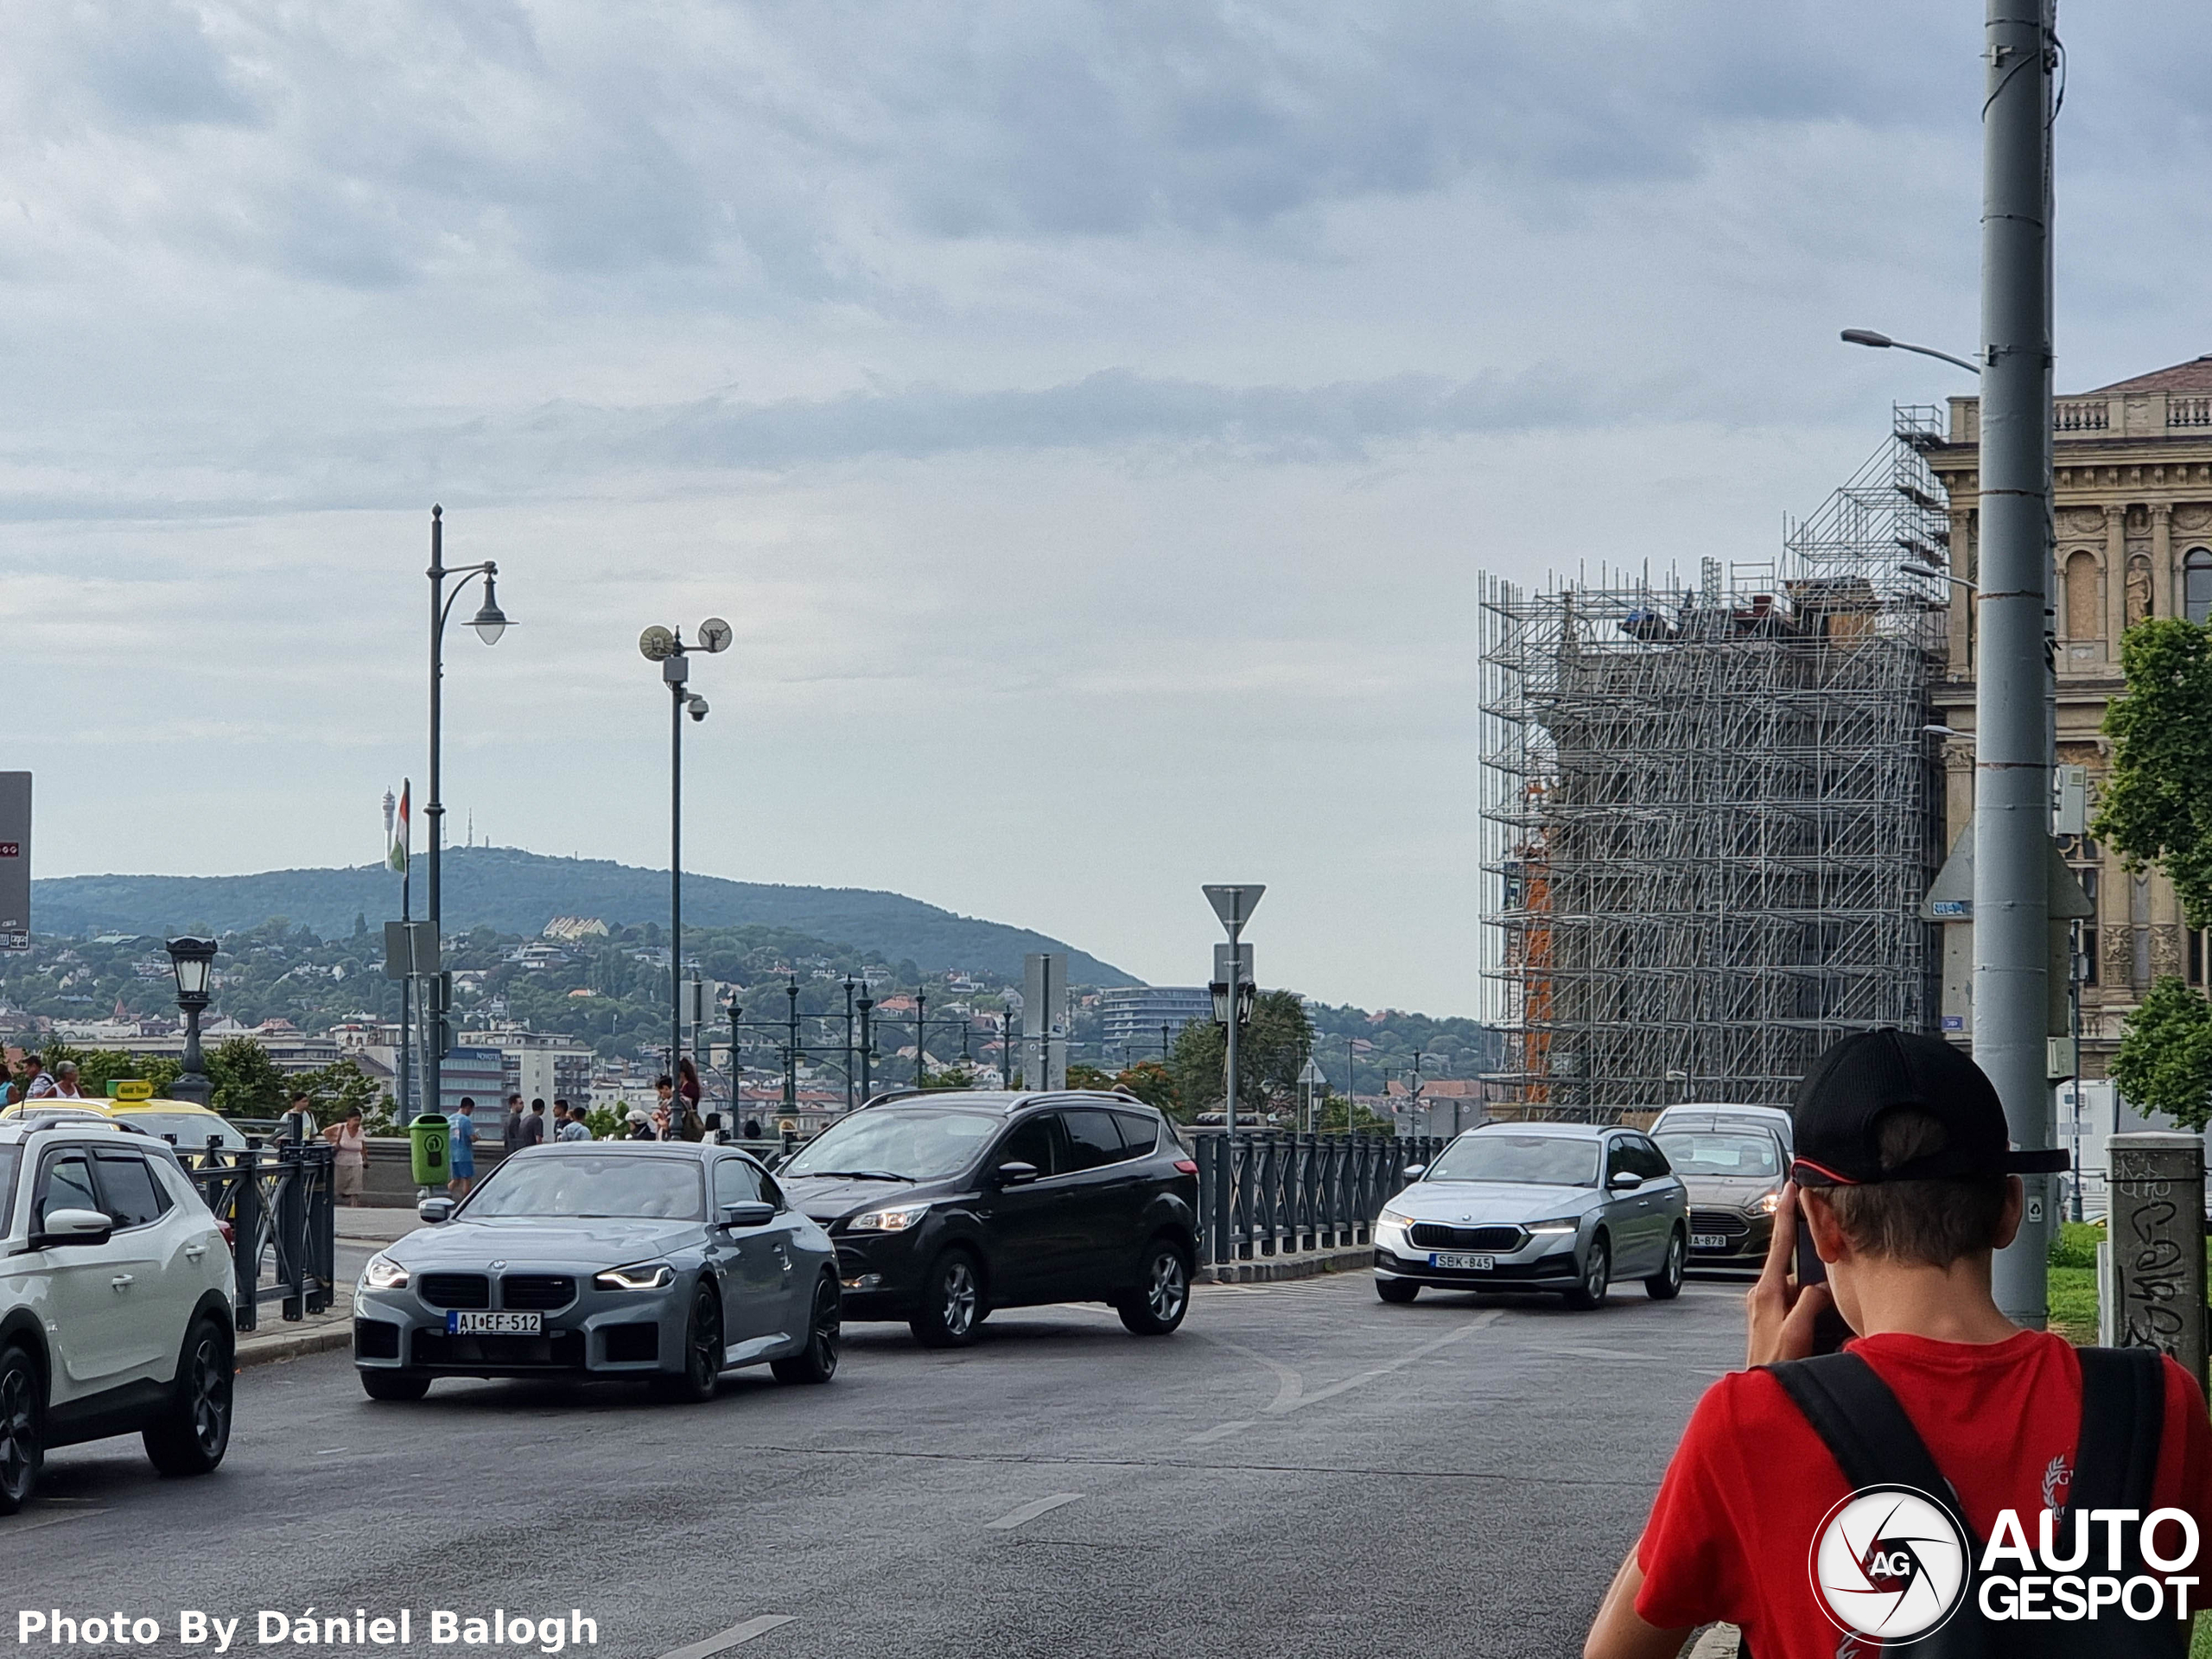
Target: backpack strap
[
  {"x": 1861, "y": 1423},
  {"x": 2123, "y": 1420}
]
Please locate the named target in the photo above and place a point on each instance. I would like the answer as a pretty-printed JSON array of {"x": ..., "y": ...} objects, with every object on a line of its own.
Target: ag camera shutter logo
[{"x": 1889, "y": 1562}]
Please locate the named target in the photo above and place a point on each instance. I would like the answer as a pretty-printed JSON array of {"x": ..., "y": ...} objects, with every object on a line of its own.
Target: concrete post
[{"x": 2156, "y": 1243}]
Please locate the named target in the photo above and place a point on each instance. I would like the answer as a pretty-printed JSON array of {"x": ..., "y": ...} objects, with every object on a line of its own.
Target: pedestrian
[
  {"x": 351, "y": 1166},
  {"x": 573, "y": 1127},
  {"x": 1905, "y": 1176},
  {"x": 641, "y": 1127},
  {"x": 462, "y": 1133},
  {"x": 688, "y": 1089},
  {"x": 65, "y": 1082},
  {"x": 298, "y": 1124},
  {"x": 511, "y": 1131},
  {"x": 533, "y": 1126},
  {"x": 753, "y": 1128},
  {"x": 34, "y": 1082}
]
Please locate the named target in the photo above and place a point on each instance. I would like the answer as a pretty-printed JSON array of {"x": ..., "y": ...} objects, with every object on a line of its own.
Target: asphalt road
[{"x": 1301, "y": 1473}]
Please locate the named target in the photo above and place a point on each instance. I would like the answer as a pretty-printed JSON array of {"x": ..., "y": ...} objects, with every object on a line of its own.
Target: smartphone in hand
[{"x": 1830, "y": 1332}]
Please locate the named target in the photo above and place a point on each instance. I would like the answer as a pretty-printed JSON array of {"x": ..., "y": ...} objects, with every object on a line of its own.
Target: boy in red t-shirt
[{"x": 1904, "y": 1176}]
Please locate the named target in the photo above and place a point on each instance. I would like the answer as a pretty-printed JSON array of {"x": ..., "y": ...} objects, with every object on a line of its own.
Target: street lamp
[
  {"x": 665, "y": 647},
  {"x": 490, "y": 622},
  {"x": 1883, "y": 343},
  {"x": 192, "y": 961}
]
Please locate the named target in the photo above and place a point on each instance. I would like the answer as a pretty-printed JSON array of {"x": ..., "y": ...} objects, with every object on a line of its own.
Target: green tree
[
  {"x": 2165, "y": 1062},
  {"x": 950, "y": 1076},
  {"x": 1081, "y": 1076},
  {"x": 338, "y": 1089},
  {"x": 1275, "y": 1044},
  {"x": 2156, "y": 805},
  {"x": 1153, "y": 1084},
  {"x": 247, "y": 1082}
]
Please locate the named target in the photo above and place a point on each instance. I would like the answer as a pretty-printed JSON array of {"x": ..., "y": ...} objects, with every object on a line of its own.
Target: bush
[{"x": 2075, "y": 1243}]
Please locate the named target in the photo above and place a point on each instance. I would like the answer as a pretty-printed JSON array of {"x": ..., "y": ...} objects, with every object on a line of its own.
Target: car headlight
[
  {"x": 892, "y": 1219},
  {"x": 643, "y": 1275},
  {"x": 384, "y": 1273},
  {"x": 1770, "y": 1202},
  {"x": 1390, "y": 1218},
  {"x": 1559, "y": 1224}
]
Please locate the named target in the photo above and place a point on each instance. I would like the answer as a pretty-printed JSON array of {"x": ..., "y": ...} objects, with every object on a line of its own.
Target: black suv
[{"x": 945, "y": 1206}]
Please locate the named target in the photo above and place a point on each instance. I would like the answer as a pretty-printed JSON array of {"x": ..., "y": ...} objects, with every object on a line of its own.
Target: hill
[{"x": 517, "y": 892}]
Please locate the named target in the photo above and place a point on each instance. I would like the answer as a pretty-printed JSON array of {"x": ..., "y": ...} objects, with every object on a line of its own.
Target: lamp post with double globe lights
[{"x": 666, "y": 647}]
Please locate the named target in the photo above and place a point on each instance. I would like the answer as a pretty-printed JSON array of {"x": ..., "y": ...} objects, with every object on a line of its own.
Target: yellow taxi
[{"x": 183, "y": 1124}]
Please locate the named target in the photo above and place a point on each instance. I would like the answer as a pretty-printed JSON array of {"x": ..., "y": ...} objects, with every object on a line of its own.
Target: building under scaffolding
[{"x": 1711, "y": 812}]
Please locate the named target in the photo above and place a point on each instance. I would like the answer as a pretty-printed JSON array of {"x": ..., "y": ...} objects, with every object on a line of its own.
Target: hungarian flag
[{"x": 402, "y": 839}]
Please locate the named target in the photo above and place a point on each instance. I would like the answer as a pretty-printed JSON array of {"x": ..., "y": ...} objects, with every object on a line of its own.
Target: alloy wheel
[
  {"x": 19, "y": 1457},
  {"x": 829, "y": 1330},
  {"x": 211, "y": 1394},
  {"x": 957, "y": 1292},
  {"x": 706, "y": 1340},
  {"x": 1167, "y": 1287}
]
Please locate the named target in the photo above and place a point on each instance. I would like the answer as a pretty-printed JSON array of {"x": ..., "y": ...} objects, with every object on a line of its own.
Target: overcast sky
[{"x": 1091, "y": 417}]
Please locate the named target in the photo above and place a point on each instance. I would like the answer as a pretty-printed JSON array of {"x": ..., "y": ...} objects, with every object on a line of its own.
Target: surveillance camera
[{"x": 698, "y": 708}]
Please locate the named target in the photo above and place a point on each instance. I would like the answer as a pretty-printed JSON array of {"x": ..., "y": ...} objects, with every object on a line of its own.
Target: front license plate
[
  {"x": 495, "y": 1324},
  {"x": 1461, "y": 1259},
  {"x": 1708, "y": 1241}
]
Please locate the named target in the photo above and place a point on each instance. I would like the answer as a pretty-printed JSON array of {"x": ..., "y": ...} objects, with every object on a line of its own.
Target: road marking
[
  {"x": 1013, "y": 1518},
  {"x": 1487, "y": 1316},
  {"x": 12, "y": 1529},
  {"x": 730, "y": 1637},
  {"x": 1222, "y": 1432},
  {"x": 331, "y": 1451},
  {"x": 1288, "y": 1384},
  {"x": 1596, "y": 1353}
]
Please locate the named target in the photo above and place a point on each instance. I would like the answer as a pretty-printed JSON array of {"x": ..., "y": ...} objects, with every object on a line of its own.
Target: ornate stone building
[{"x": 2133, "y": 477}]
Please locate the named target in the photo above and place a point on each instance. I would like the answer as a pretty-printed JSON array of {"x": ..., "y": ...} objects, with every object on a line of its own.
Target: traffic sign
[{"x": 1235, "y": 905}]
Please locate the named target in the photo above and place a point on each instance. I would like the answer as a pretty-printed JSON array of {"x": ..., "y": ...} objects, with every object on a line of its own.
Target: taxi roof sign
[{"x": 130, "y": 1089}]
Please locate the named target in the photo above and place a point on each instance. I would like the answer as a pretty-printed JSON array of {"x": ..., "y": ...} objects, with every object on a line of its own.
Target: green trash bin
[{"x": 431, "y": 1142}]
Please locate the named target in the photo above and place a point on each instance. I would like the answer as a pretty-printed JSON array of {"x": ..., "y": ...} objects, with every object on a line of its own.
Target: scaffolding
[{"x": 1711, "y": 813}]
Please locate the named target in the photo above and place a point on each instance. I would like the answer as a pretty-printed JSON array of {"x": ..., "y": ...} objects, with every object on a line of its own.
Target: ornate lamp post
[{"x": 192, "y": 961}]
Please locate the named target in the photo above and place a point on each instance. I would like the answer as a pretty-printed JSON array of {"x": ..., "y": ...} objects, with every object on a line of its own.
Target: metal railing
[
  {"x": 1269, "y": 1192},
  {"x": 278, "y": 1200}
]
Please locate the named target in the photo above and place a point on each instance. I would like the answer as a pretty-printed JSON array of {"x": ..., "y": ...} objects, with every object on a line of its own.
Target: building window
[
  {"x": 2196, "y": 585},
  {"x": 2083, "y": 620}
]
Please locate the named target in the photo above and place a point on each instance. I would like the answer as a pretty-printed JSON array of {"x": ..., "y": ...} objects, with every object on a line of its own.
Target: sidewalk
[
  {"x": 278, "y": 1338},
  {"x": 1297, "y": 1264}
]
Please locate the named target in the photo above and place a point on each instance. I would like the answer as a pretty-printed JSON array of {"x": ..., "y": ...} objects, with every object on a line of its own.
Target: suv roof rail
[{"x": 888, "y": 1094}]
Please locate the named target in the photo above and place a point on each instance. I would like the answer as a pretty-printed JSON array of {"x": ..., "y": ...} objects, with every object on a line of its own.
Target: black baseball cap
[{"x": 1839, "y": 1106}]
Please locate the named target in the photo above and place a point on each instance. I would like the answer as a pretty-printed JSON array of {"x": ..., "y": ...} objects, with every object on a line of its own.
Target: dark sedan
[{"x": 944, "y": 1206}]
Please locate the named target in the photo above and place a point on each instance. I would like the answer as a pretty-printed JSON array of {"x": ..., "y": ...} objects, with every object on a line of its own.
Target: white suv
[{"x": 115, "y": 1301}]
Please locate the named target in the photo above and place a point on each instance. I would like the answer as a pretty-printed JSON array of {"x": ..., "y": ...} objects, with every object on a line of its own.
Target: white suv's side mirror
[{"x": 72, "y": 1227}]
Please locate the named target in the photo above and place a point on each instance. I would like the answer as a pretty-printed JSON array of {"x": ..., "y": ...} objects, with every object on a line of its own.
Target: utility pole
[
  {"x": 849, "y": 1102},
  {"x": 867, "y": 1005},
  {"x": 791, "y": 1050},
  {"x": 921, "y": 1040},
  {"x": 2012, "y": 737}
]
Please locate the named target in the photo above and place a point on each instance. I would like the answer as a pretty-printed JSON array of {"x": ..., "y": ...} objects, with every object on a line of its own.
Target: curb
[
  {"x": 259, "y": 1350},
  {"x": 1271, "y": 1269}
]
